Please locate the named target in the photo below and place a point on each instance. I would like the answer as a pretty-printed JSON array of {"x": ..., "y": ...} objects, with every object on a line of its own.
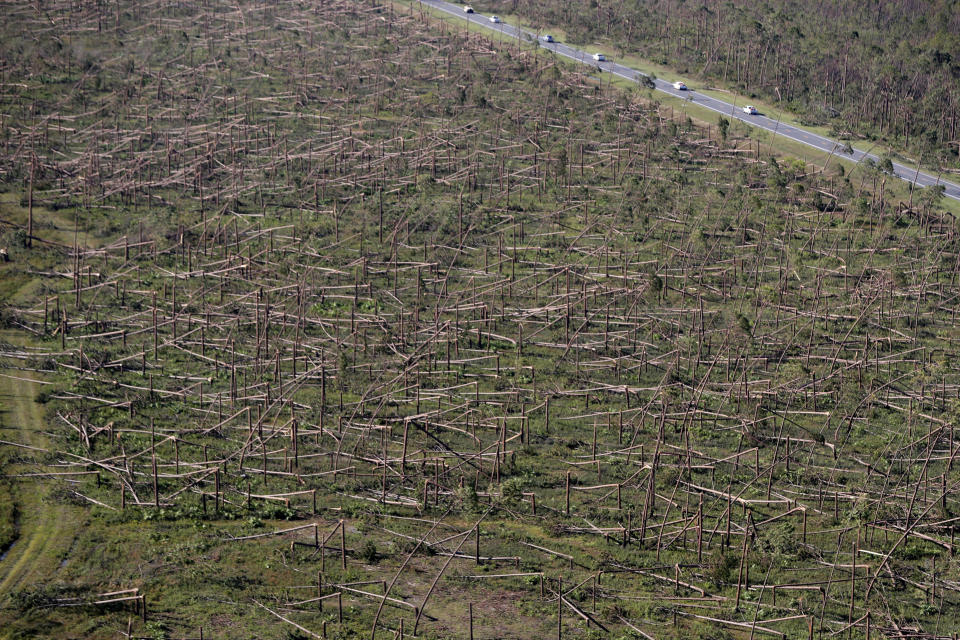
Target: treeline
[{"x": 886, "y": 68}]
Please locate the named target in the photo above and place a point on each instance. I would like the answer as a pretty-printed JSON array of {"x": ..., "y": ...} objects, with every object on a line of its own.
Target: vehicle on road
[
  {"x": 679, "y": 85},
  {"x": 548, "y": 38},
  {"x": 750, "y": 110},
  {"x": 599, "y": 57},
  {"x": 495, "y": 19},
  {"x": 468, "y": 9}
]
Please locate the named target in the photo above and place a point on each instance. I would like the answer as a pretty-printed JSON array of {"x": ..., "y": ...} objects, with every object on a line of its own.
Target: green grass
[
  {"x": 44, "y": 526},
  {"x": 9, "y": 526}
]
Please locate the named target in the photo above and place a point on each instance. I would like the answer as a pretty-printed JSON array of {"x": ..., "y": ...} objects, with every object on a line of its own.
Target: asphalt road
[{"x": 733, "y": 111}]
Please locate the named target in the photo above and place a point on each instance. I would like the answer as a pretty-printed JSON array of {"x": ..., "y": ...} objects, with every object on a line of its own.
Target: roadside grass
[{"x": 670, "y": 74}]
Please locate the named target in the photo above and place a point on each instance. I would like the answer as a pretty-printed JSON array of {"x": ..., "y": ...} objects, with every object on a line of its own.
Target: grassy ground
[
  {"x": 41, "y": 526},
  {"x": 45, "y": 526}
]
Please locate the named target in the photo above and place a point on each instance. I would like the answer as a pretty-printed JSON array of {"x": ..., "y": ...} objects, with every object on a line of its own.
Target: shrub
[
  {"x": 511, "y": 491},
  {"x": 368, "y": 551}
]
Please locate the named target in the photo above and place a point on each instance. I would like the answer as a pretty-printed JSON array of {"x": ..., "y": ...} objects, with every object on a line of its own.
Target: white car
[
  {"x": 599, "y": 57},
  {"x": 495, "y": 19},
  {"x": 468, "y": 9},
  {"x": 750, "y": 110},
  {"x": 679, "y": 85},
  {"x": 548, "y": 38}
]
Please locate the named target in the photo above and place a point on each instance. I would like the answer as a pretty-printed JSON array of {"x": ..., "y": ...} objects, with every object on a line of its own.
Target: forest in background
[{"x": 886, "y": 69}]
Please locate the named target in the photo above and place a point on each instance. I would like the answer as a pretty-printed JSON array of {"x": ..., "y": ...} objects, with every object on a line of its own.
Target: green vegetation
[
  {"x": 341, "y": 301},
  {"x": 884, "y": 70}
]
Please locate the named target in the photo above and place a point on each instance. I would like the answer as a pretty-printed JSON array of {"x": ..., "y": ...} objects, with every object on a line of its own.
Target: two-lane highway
[{"x": 761, "y": 121}]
